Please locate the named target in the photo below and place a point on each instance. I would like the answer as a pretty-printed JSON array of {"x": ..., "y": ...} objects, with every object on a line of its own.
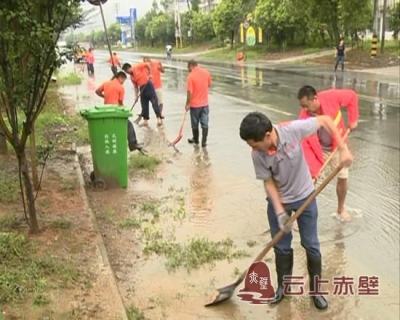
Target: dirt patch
[
  {"x": 59, "y": 273},
  {"x": 361, "y": 59}
]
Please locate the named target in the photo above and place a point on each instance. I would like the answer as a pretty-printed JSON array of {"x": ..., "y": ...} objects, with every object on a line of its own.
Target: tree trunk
[
  {"x": 383, "y": 26},
  {"x": 29, "y": 197},
  {"x": 32, "y": 142},
  {"x": 3, "y": 144}
]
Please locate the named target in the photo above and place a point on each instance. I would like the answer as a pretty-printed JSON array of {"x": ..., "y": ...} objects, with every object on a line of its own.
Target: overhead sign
[
  {"x": 124, "y": 20},
  {"x": 250, "y": 37}
]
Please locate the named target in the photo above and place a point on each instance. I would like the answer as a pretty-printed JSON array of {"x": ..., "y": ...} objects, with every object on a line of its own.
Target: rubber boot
[
  {"x": 284, "y": 267},
  {"x": 314, "y": 266},
  {"x": 204, "y": 137},
  {"x": 195, "y": 138}
]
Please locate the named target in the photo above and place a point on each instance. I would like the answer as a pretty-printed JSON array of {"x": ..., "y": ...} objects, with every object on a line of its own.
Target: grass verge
[
  {"x": 9, "y": 185},
  {"x": 27, "y": 275},
  {"x": 144, "y": 163},
  {"x": 57, "y": 125},
  {"x": 134, "y": 313},
  {"x": 70, "y": 79}
]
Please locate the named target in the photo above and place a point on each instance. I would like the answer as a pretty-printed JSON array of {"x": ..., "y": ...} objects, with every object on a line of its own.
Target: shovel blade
[{"x": 224, "y": 294}]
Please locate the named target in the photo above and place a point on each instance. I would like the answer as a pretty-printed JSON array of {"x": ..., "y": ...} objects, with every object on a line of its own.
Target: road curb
[{"x": 99, "y": 238}]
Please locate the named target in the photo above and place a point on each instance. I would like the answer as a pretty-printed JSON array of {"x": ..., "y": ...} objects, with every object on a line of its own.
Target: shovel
[
  {"x": 227, "y": 292},
  {"x": 180, "y": 135}
]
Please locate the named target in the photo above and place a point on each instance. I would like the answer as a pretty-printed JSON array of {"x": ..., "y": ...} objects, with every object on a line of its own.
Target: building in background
[
  {"x": 378, "y": 23},
  {"x": 208, "y": 5}
]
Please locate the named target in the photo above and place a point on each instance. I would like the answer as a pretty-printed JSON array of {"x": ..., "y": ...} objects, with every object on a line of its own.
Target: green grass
[
  {"x": 146, "y": 163},
  {"x": 52, "y": 121},
  {"x": 9, "y": 222},
  {"x": 198, "y": 251},
  {"x": 134, "y": 313},
  {"x": 9, "y": 186},
  {"x": 24, "y": 274},
  {"x": 70, "y": 79}
]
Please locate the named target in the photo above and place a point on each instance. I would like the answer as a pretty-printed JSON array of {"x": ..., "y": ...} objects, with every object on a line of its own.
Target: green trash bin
[{"x": 108, "y": 133}]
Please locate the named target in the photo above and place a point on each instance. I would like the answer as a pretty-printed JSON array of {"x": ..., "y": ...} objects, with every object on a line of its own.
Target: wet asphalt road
[{"x": 369, "y": 245}]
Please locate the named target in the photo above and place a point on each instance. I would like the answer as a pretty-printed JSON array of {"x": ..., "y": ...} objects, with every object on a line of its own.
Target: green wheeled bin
[{"x": 108, "y": 133}]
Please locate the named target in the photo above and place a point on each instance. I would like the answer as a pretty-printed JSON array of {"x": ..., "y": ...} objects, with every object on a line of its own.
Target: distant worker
[
  {"x": 168, "y": 49},
  {"x": 114, "y": 63},
  {"x": 89, "y": 57},
  {"x": 140, "y": 77},
  {"x": 197, "y": 85},
  {"x": 156, "y": 69},
  {"x": 340, "y": 55},
  {"x": 113, "y": 92}
]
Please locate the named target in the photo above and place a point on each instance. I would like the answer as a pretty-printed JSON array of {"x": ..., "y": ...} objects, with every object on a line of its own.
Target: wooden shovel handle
[
  {"x": 329, "y": 159},
  {"x": 299, "y": 211}
]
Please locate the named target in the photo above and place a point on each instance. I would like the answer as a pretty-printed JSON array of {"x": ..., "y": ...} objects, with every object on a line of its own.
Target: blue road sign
[{"x": 124, "y": 20}]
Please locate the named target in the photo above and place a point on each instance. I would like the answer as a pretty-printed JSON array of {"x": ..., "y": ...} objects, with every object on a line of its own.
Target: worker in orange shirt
[
  {"x": 89, "y": 57},
  {"x": 113, "y": 92},
  {"x": 318, "y": 148},
  {"x": 114, "y": 63},
  {"x": 197, "y": 85},
  {"x": 156, "y": 69},
  {"x": 140, "y": 77}
]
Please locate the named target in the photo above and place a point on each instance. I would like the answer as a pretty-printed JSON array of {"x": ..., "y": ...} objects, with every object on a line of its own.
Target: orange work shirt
[
  {"x": 89, "y": 56},
  {"x": 198, "y": 82},
  {"x": 113, "y": 91},
  {"x": 156, "y": 74},
  {"x": 115, "y": 61},
  {"x": 140, "y": 74}
]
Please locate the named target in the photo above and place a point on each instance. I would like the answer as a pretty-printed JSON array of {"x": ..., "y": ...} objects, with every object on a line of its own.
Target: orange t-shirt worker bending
[
  {"x": 113, "y": 92},
  {"x": 197, "y": 85}
]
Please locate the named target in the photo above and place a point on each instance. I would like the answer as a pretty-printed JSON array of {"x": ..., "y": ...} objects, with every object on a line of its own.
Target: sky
[{"x": 111, "y": 9}]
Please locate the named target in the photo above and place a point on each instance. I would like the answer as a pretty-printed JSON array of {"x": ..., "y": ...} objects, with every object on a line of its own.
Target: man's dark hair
[
  {"x": 306, "y": 91},
  {"x": 254, "y": 126},
  {"x": 126, "y": 66},
  {"x": 120, "y": 74},
  {"x": 192, "y": 63}
]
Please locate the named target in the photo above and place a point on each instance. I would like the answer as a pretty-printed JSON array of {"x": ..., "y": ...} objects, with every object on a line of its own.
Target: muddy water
[{"x": 224, "y": 199}]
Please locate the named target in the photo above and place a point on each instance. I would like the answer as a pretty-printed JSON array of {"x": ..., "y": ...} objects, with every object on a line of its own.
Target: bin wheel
[
  {"x": 92, "y": 177},
  {"x": 99, "y": 184}
]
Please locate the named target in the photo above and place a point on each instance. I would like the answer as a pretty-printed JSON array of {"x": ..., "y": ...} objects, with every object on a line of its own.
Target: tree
[
  {"x": 30, "y": 30},
  {"x": 276, "y": 17},
  {"x": 227, "y": 17},
  {"x": 353, "y": 23},
  {"x": 114, "y": 32},
  {"x": 395, "y": 20},
  {"x": 201, "y": 27},
  {"x": 167, "y": 5}
]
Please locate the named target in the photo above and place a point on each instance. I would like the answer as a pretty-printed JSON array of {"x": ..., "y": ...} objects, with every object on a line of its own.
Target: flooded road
[{"x": 223, "y": 199}]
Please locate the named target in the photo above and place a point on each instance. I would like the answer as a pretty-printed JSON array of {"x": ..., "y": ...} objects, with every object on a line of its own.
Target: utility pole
[{"x": 116, "y": 9}]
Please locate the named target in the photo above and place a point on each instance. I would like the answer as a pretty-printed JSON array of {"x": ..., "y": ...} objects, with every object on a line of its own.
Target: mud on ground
[{"x": 156, "y": 258}]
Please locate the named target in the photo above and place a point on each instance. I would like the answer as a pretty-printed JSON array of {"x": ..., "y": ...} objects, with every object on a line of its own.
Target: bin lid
[{"x": 106, "y": 111}]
